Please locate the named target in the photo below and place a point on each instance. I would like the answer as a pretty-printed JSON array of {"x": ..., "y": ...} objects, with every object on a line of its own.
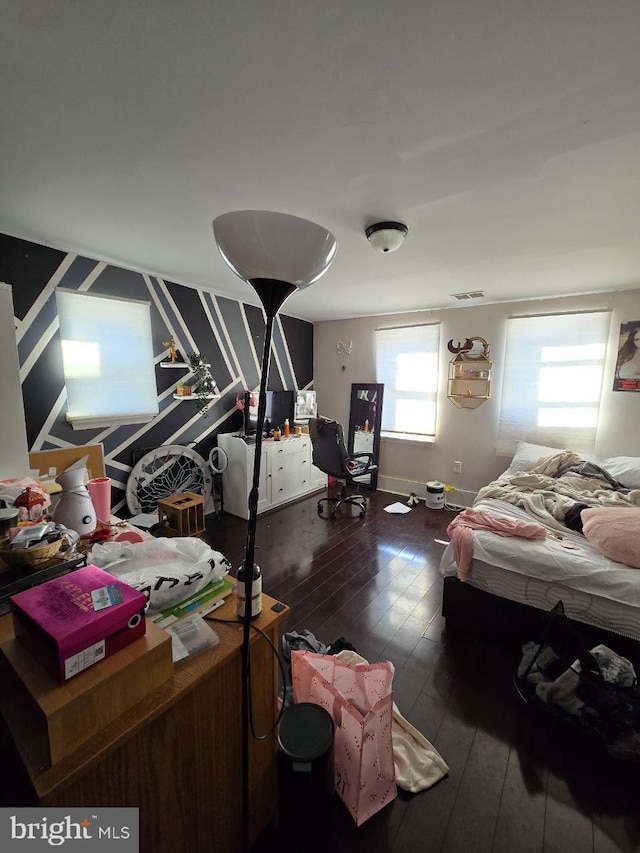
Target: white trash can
[{"x": 435, "y": 495}]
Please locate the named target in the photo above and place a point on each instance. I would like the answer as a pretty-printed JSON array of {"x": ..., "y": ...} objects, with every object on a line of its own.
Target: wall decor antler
[{"x": 465, "y": 347}]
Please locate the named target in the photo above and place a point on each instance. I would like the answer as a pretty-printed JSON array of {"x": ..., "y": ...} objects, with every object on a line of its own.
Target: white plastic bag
[{"x": 166, "y": 570}]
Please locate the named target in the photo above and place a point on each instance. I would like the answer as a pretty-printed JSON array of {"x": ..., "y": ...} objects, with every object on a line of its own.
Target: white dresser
[{"x": 286, "y": 472}]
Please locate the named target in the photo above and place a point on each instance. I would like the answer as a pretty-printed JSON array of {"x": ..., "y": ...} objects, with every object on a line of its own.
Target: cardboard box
[{"x": 74, "y": 621}]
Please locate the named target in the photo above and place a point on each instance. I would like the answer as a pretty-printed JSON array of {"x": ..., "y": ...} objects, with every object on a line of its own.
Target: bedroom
[{"x": 504, "y": 136}]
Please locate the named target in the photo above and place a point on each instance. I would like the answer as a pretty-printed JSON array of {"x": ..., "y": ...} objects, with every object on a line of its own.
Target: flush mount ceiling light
[{"x": 386, "y": 236}]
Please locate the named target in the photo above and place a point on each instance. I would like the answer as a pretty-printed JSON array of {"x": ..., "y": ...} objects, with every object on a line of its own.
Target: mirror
[{"x": 365, "y": 419}]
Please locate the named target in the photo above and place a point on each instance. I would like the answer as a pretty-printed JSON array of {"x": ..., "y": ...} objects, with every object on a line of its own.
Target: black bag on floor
[{"x": 593, "y": 689}]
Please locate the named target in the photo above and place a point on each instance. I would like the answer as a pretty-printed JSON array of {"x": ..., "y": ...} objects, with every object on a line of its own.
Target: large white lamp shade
[{"x": 262, "y": 244}]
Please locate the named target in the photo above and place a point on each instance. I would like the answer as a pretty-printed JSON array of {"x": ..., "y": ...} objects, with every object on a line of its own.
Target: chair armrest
[{"x": 368, "y": 456}]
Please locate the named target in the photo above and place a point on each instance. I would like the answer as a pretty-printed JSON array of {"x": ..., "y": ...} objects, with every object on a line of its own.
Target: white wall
[
  {"x": 14, "y": 455},
  {"x": 467, "y": 435}
]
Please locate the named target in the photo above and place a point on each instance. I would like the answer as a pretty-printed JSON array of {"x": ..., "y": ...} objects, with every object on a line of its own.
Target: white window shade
[
  {"x": 107, "y": 357},
  {"x": 407, "y": 364},
  {"x": 553, "y": 380}
]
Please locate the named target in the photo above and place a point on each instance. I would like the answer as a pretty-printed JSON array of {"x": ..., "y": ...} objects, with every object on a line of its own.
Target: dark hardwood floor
[{"x": 518, "y": 780}]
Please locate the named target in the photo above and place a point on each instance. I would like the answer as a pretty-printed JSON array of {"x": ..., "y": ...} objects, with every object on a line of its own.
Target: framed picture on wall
[{"x": 627, "y": 376}]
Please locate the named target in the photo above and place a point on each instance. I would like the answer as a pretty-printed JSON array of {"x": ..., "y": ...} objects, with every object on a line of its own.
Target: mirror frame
[{"x": 375, "y": 421}]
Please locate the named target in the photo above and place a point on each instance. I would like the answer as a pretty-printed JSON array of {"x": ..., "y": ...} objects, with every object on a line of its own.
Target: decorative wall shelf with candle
[
  {"x": 196, "y": 396},
  {"x": 469, "y": 383},
  {"x": 202, "y": 373}
]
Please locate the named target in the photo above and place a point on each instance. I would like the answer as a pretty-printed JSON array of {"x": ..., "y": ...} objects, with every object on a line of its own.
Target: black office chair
[{"x": 330, "y": 455}]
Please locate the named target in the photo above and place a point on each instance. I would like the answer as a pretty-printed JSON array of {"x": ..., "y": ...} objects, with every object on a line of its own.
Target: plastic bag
[
  {"x": 166, "y": 570},
  {"x": 360, "y": 700},
  {"x": 418, "y": 765}
]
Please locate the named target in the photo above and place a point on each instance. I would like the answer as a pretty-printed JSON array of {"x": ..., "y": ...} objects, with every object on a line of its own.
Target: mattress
[
  {"x": 584, "y": 607},
  {"x": 593, "y": 589}
]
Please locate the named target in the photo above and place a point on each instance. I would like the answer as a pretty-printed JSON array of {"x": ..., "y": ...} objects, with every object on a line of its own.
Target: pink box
[{"x": 58, "y": 623}]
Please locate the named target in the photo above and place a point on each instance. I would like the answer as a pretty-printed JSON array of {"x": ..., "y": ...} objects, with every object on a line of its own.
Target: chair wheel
[
  {"x": 362, "y": 514},
  {"x": 319, "y": 509}
]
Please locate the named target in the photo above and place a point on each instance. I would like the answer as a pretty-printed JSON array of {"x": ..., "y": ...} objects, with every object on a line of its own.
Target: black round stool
[{"x": 305, "y": 736}]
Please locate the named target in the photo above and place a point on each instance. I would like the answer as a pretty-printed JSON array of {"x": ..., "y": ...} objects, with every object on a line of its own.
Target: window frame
[
  {"x": 140, "y": 377},
  {"x": 391, "y": 391},
  {"x": 519, "y": 414}
]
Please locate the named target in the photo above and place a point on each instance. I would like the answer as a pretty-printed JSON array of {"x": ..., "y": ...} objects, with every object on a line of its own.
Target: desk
[{"x": 176, "y": 754}]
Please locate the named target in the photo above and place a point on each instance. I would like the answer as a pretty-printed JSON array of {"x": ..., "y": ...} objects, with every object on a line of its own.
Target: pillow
[
  {"x": 527, "y": 455},
  {"x": 626, "y": 469},
  {"x": 614, "y": 532}
]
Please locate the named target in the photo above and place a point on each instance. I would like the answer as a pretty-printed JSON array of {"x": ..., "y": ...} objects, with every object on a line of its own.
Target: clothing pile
[
  {"x": 598, "y": 692},
  {"x": 305, "y": 641}
]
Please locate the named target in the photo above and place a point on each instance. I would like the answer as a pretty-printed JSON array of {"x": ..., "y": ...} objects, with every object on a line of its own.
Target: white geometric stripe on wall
[{"x": 217, "y": 326}]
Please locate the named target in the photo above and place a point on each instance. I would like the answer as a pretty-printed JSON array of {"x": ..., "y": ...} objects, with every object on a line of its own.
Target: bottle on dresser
[{"x": 256, "y": 592}]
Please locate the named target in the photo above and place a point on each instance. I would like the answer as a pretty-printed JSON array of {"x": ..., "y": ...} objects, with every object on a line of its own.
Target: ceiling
[{"x": 504, "y": 133}]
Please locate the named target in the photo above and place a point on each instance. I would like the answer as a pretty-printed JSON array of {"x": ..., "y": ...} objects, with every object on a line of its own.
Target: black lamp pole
[{"x": 272, "y": 294}]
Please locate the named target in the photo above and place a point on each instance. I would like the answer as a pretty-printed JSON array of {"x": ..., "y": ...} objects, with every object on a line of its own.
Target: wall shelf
[
  {"x": 469, "y": 384},
  {"x": 197, "y": 397},
  {"x": 181, "y": 364}
]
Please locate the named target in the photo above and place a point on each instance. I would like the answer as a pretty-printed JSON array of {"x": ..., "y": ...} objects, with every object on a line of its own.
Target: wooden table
[{"x": 176, "y": 754}]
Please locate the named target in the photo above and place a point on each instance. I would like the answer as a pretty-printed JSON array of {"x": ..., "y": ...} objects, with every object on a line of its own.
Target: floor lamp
[{"x": 277, "y": 254}]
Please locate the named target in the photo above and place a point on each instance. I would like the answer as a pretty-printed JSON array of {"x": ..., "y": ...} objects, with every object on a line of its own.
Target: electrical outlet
[{"x": 457, "y": 467}]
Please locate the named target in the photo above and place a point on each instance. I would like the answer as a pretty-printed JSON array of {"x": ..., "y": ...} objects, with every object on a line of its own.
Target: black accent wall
[{"x": 228, "y": 333}]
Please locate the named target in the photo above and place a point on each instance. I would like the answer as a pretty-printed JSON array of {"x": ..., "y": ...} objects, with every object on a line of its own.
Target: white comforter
[
  {"x": 547, "y": 498},
  {"x": 542, "y": 498}
]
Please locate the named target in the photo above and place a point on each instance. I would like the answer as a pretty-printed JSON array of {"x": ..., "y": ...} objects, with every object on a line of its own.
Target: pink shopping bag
[{"x": 360, "y": 700}]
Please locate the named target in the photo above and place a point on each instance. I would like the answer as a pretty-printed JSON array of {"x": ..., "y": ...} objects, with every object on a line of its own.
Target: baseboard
[{"x": 458, "y": 499}]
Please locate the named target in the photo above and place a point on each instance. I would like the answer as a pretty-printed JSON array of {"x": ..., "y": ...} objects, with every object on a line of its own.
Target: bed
[{"x": 512, "y": 582}]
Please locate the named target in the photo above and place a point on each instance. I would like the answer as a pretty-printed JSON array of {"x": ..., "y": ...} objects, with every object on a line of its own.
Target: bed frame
[{"x": 491, "y": 617}]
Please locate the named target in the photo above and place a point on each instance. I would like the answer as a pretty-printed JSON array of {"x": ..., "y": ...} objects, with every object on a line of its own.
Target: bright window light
[
  {"x": 407, "y": 364},
  {"x": 570, "y": 384},
  {"x": 588, "y": 352},
  {"x": 585, "y": 418},
  {"x": 107, "y": 358},
  {"x": 81, "y": 359},
  {"x": 553, "y": 373}
]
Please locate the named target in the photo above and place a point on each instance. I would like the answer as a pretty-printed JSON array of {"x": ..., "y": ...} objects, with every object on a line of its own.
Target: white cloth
[{"x": 417, "y": 763}]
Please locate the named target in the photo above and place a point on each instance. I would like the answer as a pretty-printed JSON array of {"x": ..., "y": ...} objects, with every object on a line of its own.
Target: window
[
  {"x": 107, "y": 358},
  {"x": 553, "y": 379},
  {"x": 407, "y": 364}
]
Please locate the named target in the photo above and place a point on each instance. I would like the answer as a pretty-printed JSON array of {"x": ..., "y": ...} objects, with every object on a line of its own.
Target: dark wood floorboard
[{"x": 518, "y": 782}]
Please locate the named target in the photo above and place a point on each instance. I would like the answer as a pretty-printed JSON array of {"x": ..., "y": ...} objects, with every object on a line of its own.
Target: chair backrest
[{"x": 329, "y": 452}]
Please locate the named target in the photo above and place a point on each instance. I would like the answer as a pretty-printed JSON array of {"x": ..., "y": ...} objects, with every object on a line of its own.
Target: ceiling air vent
[{"x": 471, "y": 294}]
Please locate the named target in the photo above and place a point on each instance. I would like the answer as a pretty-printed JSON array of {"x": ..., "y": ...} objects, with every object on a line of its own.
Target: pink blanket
[{"x": 461, "y": 532}]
